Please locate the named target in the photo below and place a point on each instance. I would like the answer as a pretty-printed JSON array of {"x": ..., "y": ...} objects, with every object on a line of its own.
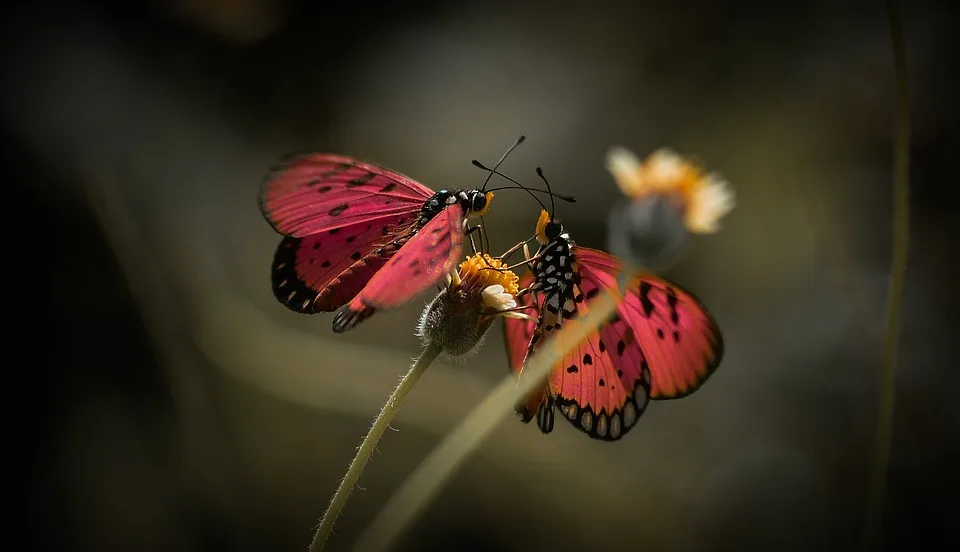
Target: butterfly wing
[
  {"x": 323, "y": 271},
  {"x": 420, "y": 263},
  {"x": 658, "y": 325},
  {"x": 586, "y": 386},
  {"x": 517, "y": 332},
  {"x": 518, "y": 335},
  {"x": 321, "y": 192},
  {"x": 342, "y": 219}
]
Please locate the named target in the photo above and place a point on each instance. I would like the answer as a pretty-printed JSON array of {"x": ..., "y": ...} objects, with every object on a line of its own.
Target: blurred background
[{"x": 160, "y": 398}]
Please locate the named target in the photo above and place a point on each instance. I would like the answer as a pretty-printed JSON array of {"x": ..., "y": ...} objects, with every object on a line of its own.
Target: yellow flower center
[{"x": 481, "y": 271}]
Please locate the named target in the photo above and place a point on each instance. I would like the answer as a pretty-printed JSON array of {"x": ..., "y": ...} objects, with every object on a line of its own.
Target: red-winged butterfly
[
  {"x": 660, "y": 344},
  {"x": 360, "y": 235}
]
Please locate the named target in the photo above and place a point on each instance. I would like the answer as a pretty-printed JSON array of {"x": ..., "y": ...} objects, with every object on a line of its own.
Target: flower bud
[{"x": 460, "y": 315}]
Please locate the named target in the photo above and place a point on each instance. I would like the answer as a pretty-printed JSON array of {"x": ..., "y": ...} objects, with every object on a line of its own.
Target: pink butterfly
[
  {"x": 360, "y": 235},
  {"x": 661, "y": 343}
]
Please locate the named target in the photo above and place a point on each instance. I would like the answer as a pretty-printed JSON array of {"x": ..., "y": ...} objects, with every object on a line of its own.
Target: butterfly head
[
  {"x": 548, "y": 228},
  {"x": 475, "y": 202}
]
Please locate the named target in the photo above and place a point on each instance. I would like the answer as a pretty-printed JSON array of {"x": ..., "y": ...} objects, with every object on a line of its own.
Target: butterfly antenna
[
  {"x": 561, "y": 197},
  {"x": 504, "y": 156},
  {"x": 552, "y": 194},
  {"x": 521, "y": 186},
  {"x": 553, "y": 206}
]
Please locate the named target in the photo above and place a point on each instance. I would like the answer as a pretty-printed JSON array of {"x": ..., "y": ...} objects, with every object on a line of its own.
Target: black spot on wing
[
  {"x": 338, "y": 210},
  {"x": 342, "y": 167},
  {"x": 360, "y": 180},
  {"x": 645, "y": 301},
  {"x": 672, "y": 303}
]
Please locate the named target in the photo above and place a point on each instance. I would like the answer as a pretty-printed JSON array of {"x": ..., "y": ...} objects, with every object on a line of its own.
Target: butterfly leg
[
  {"x": 513, "y": 249},
  {"x": 528, "y": 261},
  {"x": 469, "y": 235}
]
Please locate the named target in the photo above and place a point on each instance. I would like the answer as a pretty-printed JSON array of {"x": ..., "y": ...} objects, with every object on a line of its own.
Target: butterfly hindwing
[
  {"x": 420, "y": 263},
  {"x": 323, "y": 271},
  {"x": 658, "y": 325},
  {"x": 319, "y": 192},
  {"x": 586, "y": 386}
]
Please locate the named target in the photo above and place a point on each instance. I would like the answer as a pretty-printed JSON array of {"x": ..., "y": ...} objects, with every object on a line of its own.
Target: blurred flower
[
  {"x": 668, "y": 197},
  {"x": 702, "y": 198},
  {"x": 460, "y": 315}
]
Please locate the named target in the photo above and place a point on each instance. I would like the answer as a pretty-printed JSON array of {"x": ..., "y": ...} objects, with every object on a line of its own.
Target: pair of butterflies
[{"x": 360, "y": 238}]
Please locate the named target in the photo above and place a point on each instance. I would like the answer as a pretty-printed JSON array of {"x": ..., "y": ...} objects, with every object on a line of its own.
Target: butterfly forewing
[
  {"x": 658, "y": 324},
  {"x": 320, "y": 192}
]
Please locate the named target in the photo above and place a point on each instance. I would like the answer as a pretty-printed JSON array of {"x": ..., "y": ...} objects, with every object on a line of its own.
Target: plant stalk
[
  {"x": 898, "y": 268},
  {"x": 426, "y": 481},
  {"x": 380, "y": 424}
]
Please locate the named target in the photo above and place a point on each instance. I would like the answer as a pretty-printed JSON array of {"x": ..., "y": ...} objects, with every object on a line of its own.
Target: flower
[
  {"x": 496, "y": 298},
  {"x": 703, "y": 198},
  {"x": 460, "y": 315},
  {"x": 498, "y": 287}
]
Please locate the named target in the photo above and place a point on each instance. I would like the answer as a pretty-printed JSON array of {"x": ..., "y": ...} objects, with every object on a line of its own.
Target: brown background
[{"x": 161, "y": 399}]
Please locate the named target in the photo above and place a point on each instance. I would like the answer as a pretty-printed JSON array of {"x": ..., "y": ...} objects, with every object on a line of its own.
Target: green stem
[
  {"x": 369, "y": 443},
  {"x": 426, "y": 481},
  {"x": 898, "y": 268}
]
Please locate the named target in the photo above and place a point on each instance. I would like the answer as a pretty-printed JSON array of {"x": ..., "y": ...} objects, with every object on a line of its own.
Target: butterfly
[
  {"x": 661, "y": 343},
  {"x": 361, "y": 235}
]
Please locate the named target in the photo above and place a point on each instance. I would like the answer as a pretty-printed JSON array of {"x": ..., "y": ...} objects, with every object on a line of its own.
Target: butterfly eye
[
  {"x": 553, "y": 230},
  {"x": 479, "y": 202}
]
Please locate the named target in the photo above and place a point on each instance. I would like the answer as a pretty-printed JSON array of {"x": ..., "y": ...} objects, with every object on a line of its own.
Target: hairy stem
[
  {"x": 369, "y": 443},
  {"x": 898, "y": 268},
  {"x": 426, "y": 481}
]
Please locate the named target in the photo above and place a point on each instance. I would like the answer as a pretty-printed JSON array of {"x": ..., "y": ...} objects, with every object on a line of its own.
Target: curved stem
[
  {"x": 898, "y": 268},
  {"x": 369, "y": 443},
  {"x": 426, "y": 481}
]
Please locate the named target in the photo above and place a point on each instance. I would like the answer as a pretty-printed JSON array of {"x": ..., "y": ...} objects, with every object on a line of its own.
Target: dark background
[{"x": 159, "y": 398}]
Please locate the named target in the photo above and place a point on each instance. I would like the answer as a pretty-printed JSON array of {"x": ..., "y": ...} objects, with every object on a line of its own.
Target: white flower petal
[
  {"x": 495, "y": 297},
  {"x": 620, "y": 160},
  {"x": 625, "y": 168},
  {"x": 709, "y": 204}
]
